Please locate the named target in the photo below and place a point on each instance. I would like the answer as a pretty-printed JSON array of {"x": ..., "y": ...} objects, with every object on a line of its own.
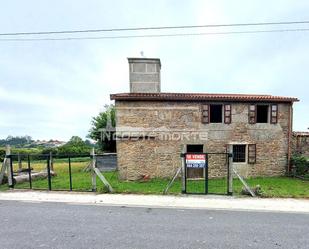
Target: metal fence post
[
  {"x": 94, "y": 176},
  {"x": 51, "y": 161},
  {"x": 206, "y": 174},
  {"x": 183, "y": 170},
  {"x": 183, "y": 175},
  {"x": 70, "y": 174},
  {"x": 48, "y": 174},
  {"x": 230, "y": 174},
  {"x": 29, "y": 172}
]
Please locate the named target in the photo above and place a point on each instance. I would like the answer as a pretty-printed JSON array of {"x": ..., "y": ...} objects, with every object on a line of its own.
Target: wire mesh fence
[
  {"x": 75, "y": 173},
  {"x": 218, "y": 173},
  {"x": 44, "y": 172},
  {"x": 210, "y": 179}
]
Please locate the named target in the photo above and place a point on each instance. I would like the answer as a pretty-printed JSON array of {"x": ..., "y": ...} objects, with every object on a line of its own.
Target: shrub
[
  {"x": 76, "y": 146},
  {"x": 2, "y": 154},
  {"x": 301, "y": 165}
]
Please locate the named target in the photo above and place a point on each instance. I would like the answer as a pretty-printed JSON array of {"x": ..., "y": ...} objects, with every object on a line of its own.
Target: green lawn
[{"x": 81, "y": 181}]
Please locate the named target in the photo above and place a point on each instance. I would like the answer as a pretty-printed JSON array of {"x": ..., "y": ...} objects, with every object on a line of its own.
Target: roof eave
[{"x": 156, "y": 98}]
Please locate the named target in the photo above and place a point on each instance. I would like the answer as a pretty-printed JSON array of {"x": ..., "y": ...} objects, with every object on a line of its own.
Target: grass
[
  {"x": 271, "y": 186},
  {"x": 278, "y": 187}
]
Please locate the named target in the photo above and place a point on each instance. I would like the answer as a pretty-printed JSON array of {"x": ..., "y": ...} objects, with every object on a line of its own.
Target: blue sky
[{"x": 51, "y": 89}]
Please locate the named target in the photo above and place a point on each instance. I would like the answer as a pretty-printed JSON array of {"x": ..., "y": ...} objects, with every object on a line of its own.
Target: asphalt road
[{"x": 59, "y": 225}]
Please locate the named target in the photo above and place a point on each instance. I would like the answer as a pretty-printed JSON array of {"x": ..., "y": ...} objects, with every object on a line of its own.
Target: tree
[
  {"x": 76, "y": 146},
  {"x": 103, "y": 129},
  {"x": 2, "y": 155},
  {"x": 18, "y": 141}
]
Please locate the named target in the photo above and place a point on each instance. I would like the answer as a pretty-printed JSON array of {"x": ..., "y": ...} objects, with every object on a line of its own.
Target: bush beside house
[{"x": 300, "y": 165}]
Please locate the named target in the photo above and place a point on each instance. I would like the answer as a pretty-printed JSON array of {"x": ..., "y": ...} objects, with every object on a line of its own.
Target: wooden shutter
[
  {"x": 274, "y": 114},
  {"x": 251, "y": 153},
  {"x": 252, "y": 114},
  {"x": 227, "y": 114},
  {"x": 205, "y": 114}
]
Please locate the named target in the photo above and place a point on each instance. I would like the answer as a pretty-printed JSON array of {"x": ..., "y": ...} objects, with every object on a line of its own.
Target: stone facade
[{"x": 158, "y": 131}]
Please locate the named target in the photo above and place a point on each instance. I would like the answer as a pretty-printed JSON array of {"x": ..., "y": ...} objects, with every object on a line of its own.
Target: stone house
[{"x": 153, "y": 128}]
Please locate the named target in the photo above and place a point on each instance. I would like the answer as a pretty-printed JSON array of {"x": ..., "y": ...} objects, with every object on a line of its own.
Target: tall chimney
[{"x": 145, "y": 75}]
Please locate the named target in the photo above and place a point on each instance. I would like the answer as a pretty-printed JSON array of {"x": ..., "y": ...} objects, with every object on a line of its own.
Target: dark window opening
[
  {"x": 262, "y": 113},
  {"x": 195, "y": 148},
  {"x": 215, "y": 113},
  {"x": 239, "y": 153}
]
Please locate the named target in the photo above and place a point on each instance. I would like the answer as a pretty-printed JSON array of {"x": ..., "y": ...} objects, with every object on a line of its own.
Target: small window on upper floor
[
  {"x": 215, "y": 113},
  {"x": 262, "y": 113}
]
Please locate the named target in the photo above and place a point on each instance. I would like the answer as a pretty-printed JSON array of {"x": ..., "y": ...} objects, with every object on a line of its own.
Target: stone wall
[
  {"x": 300, "y": 143},
  {"x": 157, "y": 133}
]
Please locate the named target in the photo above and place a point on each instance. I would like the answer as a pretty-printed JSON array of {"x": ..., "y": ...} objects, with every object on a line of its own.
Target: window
[
  {"x": 215, "y": 113},
  {"x": 195, "y": 148},
  {"x": 239, "y": 153},
  {"x": 262, "y": 113},
  {"x": 259, "y": 114}
]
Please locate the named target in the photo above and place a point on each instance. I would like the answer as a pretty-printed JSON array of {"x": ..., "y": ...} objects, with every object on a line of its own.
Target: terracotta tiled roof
[
  {"x": 301, "y": 133},
  {"x": 200, "y": 97}
]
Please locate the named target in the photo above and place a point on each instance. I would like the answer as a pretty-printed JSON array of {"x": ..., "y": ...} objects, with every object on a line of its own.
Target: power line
[
  {"x": 153, "y": 35},
  {"x": 154, "y": 28}
]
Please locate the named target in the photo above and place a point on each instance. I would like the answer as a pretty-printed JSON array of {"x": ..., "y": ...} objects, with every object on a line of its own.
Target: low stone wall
[{"x": 300, "y": 143}]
